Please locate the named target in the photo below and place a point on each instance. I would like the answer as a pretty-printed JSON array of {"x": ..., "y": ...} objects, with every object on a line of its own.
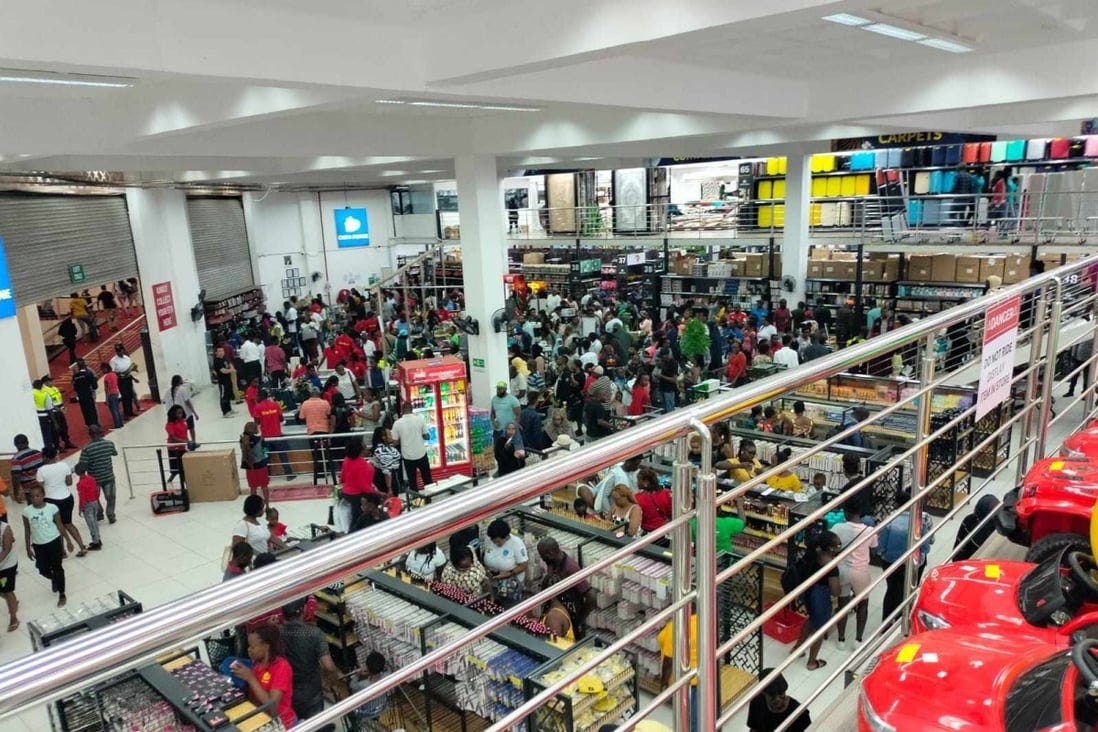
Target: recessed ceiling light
[
  {"x": 22, "y": 76},
  {"x": 892, "y": 31},
  {"x": 943, "y": 45},
  {"x": 847, "y": 19}
]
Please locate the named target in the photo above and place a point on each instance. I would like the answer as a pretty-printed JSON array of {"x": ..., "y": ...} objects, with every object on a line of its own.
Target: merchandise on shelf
[{"x": 481, "y": 441}]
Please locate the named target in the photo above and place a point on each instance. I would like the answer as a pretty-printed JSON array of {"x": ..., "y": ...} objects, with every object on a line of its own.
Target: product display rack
[
  {"x": 627, "y": 592},
  {"x": 177, "y": 689},
  {"x": 239, "y": 304},
  {"x": 575, "y": 711},
  {"x": 927, "y": 298},
  {"x": 93, "y": 615}
]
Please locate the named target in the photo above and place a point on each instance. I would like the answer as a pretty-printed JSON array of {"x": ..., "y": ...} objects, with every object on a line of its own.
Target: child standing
[
  {"x": 44, "y": 531},
  {"x": 277, "y": 527},
  {"x": 88, "y": 491}
]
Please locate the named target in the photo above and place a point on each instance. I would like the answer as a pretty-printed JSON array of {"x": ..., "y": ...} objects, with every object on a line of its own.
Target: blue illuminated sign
[
  {"x": 7, "y": 295},
  {"x": 352, "y": 227}
]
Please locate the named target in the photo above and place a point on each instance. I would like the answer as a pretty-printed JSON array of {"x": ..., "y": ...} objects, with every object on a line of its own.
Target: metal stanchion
[
  {"x": 1050, "y": 369},
  {"x": 706, "y": 560},
  {"x": 922, "y": 429},
  {"x": 682, "y": 474},
  {"x": 1038, "y": 317}
]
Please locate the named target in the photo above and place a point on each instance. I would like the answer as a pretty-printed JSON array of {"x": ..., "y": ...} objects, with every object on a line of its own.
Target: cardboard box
[
  {"x": 212, "y": 475},
  {"x": 816, "y": 268},
  {"x": 1015, "y": 269},
  {"x": 944, "y": 268},
  {"x": 844, "y": 256},
  {"x": 872, "y": 271},
  {"x": 920, "y": 267},
  {"x": 776, "y": 270},
  {"x": 848, "y": 269},
  {"x": 683, "y": 266},
  {"x": 5, "y": 471},
  {"x": 737, "y": 268},
  {"x": 821, "y": 254},
  {"x": 968, "y": 269},
  {"x": 533, "y": 258},
  {"x": 992, "y": 266},
  {"x": 833, "y": 270},
  {"x": 753, "y": 264}
]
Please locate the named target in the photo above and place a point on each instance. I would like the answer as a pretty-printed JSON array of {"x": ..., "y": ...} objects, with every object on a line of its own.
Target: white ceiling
[{"x": 282, "y": 92}]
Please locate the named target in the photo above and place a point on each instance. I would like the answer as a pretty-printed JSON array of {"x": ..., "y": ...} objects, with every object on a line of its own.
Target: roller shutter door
[
  {"x": 220, "y": 242},
  {"x": 44, "y": 234}
]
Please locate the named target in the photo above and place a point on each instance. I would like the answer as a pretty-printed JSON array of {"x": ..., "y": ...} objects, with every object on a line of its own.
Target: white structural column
[
  {"x": 18, "y": 415},
  {"x": 162, "y": 241},
  {"x": 798, "y": 193},
  {"x": 484, "y": 262},
  {"x": 34, "y": 344}
]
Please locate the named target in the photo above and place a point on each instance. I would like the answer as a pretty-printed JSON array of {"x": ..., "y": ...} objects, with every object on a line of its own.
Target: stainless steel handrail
[{"x": 85, "y": 660}]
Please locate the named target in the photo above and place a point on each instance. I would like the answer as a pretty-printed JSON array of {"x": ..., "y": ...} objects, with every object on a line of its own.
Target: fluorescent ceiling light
[
  {"x": 458, "y": 105},
  {"x": 585, "y": 159},
  {"x": 847, "y": 19},
  {"x": 415, "y": 182},
  {"x": 25, "y": 76},
  {"x": 943, "y": 45},
  {"x": 894, "y": 32},
  {"x": 432, "y": 171}
]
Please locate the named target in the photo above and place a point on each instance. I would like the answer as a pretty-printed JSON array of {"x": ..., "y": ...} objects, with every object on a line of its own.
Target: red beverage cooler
[{"x": 438, "y": 391}]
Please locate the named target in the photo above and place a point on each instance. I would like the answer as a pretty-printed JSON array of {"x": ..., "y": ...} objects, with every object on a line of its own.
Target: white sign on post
[{"x": 997, "y": 361}]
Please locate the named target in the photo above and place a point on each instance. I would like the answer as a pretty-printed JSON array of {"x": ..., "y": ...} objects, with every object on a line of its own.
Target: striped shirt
[
  {"x": 25, "y": 465},
  {"x": 97, "y": 454}
]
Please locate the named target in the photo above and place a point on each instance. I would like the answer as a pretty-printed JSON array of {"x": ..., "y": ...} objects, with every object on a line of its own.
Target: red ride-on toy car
[
  {"x": 1083, "y": 444},
  {"x": 983, "y": 681},
  {"x": 1051, "y": 511},
  {"x": 1016, "y": 598}
]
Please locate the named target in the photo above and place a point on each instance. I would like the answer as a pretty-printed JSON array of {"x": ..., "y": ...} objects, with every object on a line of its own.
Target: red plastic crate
[{"x": 785, "y": 627}]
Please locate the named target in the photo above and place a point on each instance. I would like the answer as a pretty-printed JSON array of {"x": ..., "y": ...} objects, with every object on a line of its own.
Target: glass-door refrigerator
[{"x": 437, "y": 389}]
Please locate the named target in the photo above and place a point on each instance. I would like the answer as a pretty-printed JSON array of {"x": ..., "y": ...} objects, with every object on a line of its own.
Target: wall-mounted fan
[
  {"x": 468, "y": 325},
  {"x": 789, "y": 283}
]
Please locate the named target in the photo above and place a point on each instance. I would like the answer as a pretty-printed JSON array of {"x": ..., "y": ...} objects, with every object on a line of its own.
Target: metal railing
[
  {"x": 1055, "y": 207},
  {"x": 695, "y": 579}
]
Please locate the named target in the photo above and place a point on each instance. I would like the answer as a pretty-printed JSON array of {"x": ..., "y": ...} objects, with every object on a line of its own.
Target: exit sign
[
  {"x": 478, "y": 363},
  {"x": 76, "y": 273}
]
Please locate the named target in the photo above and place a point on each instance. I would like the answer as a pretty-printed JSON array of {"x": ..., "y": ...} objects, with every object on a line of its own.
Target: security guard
[
  {"x": 43, "y": 406},
  {"x": 60, "y": 421}
]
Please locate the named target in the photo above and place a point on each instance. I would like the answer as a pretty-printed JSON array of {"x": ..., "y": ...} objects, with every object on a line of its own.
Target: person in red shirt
[
  {"x": 357, "y": 478},
  {"x": 654, "y": 500},
  {"x": 255, "y": 461},
  {"x": 332, "y": 356},
  {"x": 251, "y": 396},
  {"x": 270, "y": 679},
  {"x": 88, "y": 492},
  {"x": 114, "y": 396},
  {"x": 358, "y": 367},
  {"x": 641, "y": 396},
  {"x": 331, "y": 388},
  {"x": 178, "y": 436},
  {"x": 737, "y": 364},
  {"x": 268, "y": 413}
]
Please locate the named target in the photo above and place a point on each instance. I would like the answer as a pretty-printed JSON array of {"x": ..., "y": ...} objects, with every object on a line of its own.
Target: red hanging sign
[{"x": 164, "y": 303}]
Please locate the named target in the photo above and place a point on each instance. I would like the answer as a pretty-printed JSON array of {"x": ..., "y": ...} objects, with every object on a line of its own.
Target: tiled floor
[{"x": 158, "y": 559}]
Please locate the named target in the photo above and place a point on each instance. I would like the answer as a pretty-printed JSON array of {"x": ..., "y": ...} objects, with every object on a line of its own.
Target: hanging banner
[
  {"x": 352, "y": 227},
  {"x": 997, "y": 359},
  {"x": 164, "y": 302}
]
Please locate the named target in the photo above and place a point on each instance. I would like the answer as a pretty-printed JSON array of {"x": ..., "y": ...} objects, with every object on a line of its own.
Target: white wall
[
  {"x": 18, "y": 415},
  {"x": 302, "y": 226},
  {"x": 416, "y": 226},
  {"x": 162, "y": 241}
]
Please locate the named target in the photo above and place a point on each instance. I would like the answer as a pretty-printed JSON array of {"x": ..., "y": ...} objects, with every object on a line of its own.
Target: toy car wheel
[{"x": 1055, "y": 544}]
